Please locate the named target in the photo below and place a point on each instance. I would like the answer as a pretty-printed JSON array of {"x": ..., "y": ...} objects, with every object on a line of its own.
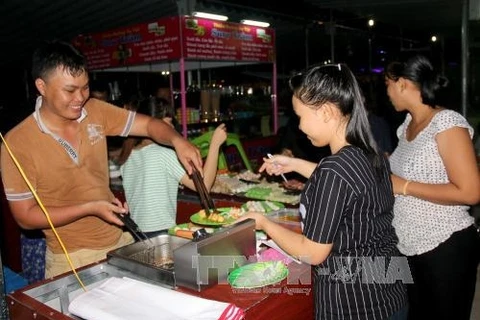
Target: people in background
[
  {"x": 163, "y": 92},
  {"x": 151, "y": 173},
  {"x": 33, "y": 247},
  {"x": 129, "y": 101},
  {"x": 380, "y": 128},
  {"x": 346, "y": 204},
  {"x": 381, "y": 132},
  {"x": 436, "y": 179},
  {"x": 62, "y": 150},
  {"x": 99, "y": 90}
]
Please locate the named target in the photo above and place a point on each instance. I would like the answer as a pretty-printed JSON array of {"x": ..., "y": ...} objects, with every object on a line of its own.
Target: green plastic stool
[{"x": 203, "y": 143}]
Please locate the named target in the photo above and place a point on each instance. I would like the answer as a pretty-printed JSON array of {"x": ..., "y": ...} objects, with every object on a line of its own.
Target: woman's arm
[
  {"x": 279, "y": 164},
  {"x": 458, "y": 156},
  {"x": 211, "y": 162},
  {"x": 295, "y": 244}
]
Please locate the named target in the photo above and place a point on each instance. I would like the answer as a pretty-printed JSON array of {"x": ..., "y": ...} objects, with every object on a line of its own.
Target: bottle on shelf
[
  {"x": 215, "y": 94},
  {"x": 205, "y": 102}
]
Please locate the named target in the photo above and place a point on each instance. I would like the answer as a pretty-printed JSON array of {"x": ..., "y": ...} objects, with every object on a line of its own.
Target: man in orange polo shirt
[{"x": 62, "y": 149}]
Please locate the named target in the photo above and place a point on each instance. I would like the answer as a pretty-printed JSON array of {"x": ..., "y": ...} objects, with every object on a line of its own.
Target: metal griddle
[{"x": 196, "y": 264}]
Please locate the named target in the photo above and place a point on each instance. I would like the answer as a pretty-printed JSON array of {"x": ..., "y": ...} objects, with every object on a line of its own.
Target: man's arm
[
  {"x": 29, "y": 215},
  {"x": 162, "y": 133}
]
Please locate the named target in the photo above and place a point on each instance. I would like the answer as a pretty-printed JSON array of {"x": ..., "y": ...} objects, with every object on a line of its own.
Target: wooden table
[{"x": 291, "y": 299}]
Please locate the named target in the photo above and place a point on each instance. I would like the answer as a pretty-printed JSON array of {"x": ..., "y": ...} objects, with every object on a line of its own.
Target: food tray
[{"x": 155, "y": 263}]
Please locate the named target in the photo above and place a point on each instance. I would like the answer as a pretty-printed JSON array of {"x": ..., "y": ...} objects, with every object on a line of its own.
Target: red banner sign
[
  {"x": 205, "y": 39},
  {"x": 161, "y": 40},
  {"x": 140, "y": 44}
]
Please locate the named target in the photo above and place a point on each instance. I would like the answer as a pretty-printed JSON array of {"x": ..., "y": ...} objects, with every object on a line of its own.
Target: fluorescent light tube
[
  {"x": 255, "y": 23},
  {"x": 210, "y": 16}
]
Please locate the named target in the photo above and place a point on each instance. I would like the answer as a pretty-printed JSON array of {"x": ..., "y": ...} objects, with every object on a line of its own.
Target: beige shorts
[{"x": 57, "y": 263}]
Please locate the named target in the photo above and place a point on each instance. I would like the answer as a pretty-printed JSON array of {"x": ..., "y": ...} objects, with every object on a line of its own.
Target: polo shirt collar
[{"x": 38, "y": 119}]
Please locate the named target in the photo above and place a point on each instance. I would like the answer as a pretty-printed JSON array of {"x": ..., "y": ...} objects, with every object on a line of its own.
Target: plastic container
[{"x": 289, "y": 218}]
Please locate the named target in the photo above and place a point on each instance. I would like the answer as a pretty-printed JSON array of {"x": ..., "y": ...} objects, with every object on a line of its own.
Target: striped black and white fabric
[{"x": 346, "y": 204}]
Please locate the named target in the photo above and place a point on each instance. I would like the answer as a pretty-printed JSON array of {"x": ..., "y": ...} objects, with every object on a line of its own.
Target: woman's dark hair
[
  {"x": 337, "y": 84},
  {"x": 53, "y": 54},
  {"x": 420, "y": 71},
  {"x": 154, "y": 107}
]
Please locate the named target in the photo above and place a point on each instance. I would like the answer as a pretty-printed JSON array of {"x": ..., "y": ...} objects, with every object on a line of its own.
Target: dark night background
[{"x": 303, "y": 36}]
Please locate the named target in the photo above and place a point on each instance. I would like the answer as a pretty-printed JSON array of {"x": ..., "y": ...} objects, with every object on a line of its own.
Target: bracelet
[{"x": 405, "y": 187}]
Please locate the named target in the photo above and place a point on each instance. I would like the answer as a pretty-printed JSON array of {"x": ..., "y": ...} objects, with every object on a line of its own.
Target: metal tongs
[
  {"x": 205, "y": 199},
  {"x": 135, "y": 230}
]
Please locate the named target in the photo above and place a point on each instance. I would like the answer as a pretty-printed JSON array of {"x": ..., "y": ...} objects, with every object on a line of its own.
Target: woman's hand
[
  {"x": 277, "y": 165},
  {"x": 257, "y": 216},
  {"x": 219, "y": 135}
]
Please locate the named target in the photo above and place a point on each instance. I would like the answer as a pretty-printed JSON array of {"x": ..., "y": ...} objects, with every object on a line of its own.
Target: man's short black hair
[{"x": 53, "y": 54}]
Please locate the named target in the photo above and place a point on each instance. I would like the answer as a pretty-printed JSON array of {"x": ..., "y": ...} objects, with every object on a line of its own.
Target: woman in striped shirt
[{"x": 346, "y": 205}]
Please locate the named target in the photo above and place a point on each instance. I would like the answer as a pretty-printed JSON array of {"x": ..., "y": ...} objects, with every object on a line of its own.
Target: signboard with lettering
[
  {"x": 161, "y": 40},
  {"x": 205, "y": 39},
  {"x": 140, "y": 44}
]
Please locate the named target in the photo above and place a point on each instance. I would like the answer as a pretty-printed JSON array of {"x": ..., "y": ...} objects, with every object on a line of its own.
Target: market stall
[
  {"x": 180, "y": 44},
  {"x": 180, "y": 261}
]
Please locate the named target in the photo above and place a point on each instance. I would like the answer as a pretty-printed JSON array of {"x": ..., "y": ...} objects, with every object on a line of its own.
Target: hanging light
[
  {"x": 255, "y": 23},
  {"x": 210, "y": 16}
]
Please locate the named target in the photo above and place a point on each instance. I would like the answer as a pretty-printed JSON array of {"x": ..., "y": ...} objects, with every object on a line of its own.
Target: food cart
[{"x": 290, "y": 298}]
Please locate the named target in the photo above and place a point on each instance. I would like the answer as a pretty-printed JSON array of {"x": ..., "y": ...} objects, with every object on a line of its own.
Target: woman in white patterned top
[
  {"x": 436, "y": 179},
  {"x": 151, "y": 173}
]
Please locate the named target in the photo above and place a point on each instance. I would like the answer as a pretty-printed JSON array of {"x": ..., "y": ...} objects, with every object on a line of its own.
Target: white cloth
[
  {"x": 125, "y": 298},
  {"x": 422, "y": 225}
]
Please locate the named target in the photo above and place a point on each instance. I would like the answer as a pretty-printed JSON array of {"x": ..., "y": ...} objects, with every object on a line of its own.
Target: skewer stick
[{"x": 281, "y": 174}]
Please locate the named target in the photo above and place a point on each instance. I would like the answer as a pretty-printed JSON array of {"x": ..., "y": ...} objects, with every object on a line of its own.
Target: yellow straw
[{"x": 44, "y": 211}]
